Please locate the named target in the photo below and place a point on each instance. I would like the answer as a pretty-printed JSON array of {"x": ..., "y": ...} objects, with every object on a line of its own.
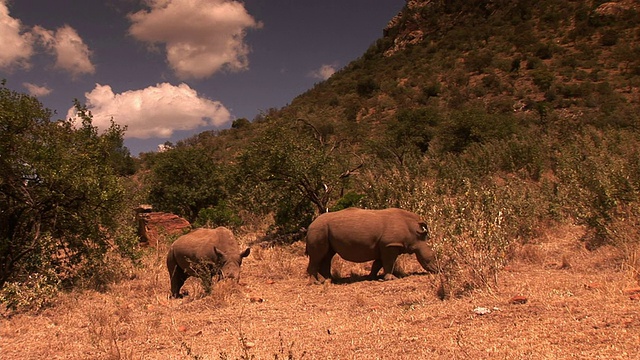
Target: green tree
[
  {"x": 240, "y": 123},
  {"x": 474, "y": 125},
  {"x": 408, "y": 135},
  {"x": 60, "y": 194},
  {"x": 292, "y": 168},
  {"x": 187, "y": 179}
]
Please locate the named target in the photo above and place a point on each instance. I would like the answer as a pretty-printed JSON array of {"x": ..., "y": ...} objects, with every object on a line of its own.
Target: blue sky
[{"x": 168, "y": 69}]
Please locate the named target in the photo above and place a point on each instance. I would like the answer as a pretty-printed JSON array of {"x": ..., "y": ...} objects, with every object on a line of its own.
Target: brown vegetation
[{"x": 577, "y": 304}]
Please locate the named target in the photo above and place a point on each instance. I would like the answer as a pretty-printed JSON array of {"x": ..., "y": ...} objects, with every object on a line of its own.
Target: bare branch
[{"x": 316, "y": 133}]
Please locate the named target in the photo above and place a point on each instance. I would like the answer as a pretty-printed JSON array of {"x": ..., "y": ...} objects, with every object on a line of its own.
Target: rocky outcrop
[
  {"x": 155, "y": 226},
  {"x": 410, "y": 35},
  {"x": 616, "y": 8}
]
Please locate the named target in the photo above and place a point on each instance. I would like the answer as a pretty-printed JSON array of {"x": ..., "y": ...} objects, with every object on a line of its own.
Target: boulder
[{"x": 154, "y": 226}]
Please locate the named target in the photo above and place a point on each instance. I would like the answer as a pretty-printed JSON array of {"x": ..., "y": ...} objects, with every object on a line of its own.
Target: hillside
[
  {"x": 549, "y": 59},
  {"x": 543, "y": 61},
  {"x": 459, "y": 73}
]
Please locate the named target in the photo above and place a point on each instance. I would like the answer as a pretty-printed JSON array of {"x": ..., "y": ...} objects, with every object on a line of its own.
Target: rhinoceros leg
[
  {"x": 314, "y": 265},
  {"x": 389, "y": 257},
  {"x": 320, "y": 254},
  {"x": 325, "y": 265},
  {"x": 178, "y": 277},
  {"x": 319, "y": 270},
  {"x": 375, "y": 268}
]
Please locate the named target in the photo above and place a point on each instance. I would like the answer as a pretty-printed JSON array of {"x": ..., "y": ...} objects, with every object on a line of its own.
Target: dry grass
[{"x": 576, "y": 308}]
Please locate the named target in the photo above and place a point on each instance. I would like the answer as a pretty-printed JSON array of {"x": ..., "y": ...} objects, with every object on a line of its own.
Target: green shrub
[
  {"x": 366, "y": 87},
  {"x": 533, "y": 63},
  {"x": 543, "y": 78},
  {"x": 478, "y": 61},
  {"x": 609, "y": 37},
  {"x": 598, "y": 174},
  {"x": 219, "y": 215},
  {"x": 37, "y": 292},
  {"x": 350, "y": 199},
  {"x": 474, "y": 125},
  {"x": 544, "y": 51}
]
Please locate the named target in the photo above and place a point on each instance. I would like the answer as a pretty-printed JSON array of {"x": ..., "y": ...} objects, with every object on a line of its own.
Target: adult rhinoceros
[
  {"x": 360, "y": 235},
  {"x": 204, "y": 253}
]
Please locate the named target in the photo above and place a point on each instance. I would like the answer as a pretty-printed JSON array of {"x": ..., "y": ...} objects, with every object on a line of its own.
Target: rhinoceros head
[{"x": 230, "y": 263}]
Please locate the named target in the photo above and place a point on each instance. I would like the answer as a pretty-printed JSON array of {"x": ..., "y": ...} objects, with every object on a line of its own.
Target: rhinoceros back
[
  {"x": 200, "y": 244},
  {"x": 354, "y": 234}
]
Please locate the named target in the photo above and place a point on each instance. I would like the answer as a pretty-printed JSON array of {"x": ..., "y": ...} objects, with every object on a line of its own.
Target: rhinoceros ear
[
  {"x": 245, "y": 253},
  {"x": 423, "y": 230},
  {"x": 218, "y": 253}
]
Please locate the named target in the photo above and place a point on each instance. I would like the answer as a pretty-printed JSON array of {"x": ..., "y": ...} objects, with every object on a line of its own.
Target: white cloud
[
  {"x": 156, "y": 111},
  {"x": 324, "y": 72},
  {"x": 72, "y": 54},
  {"x": 16, "y": 47},
  {"x": 201, "y": 37},
  {"x": 37, "y": 90}
]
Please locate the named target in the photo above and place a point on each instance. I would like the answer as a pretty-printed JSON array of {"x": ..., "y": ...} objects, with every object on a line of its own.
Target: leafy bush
[
  {"x": 292, "y": 169},
  {"x": 598, "y": 174},
  {"x": 478, "y": 61},
  {"x": 61, "y": 194},
  {"x": 609, "y": 37},
  {"x": 350, "y": 199},
  {"x": 185, "y": 180},
  {"x": 366, "y": 87},
  {"x": 240, "y": 123},
  {"x": 543, "y": 78},
  {"x": 219, "y": 215},
  {"x": 35, "y": 293},
  {"x": 544, "y": 51},
  {"x": 474, "y": 125}
]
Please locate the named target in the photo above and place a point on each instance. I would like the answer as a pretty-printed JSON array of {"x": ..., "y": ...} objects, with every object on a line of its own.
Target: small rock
[
  {"x": 518, "y": 299},
  {"x": 249, "y": 344},
  {"x": 631, "y": 291},
  {"x": 482, "y": 310},
  {"x": 255, "y": 299},
  {"x": 634, "y": 297},
  {"x": 182, "y": 328},
  {"x": 593, "y": 286}
]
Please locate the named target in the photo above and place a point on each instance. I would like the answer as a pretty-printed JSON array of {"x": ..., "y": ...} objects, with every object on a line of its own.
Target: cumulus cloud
[
  {"x": 201, "y": 37},
  {"x": 17, "y": 47},
  {"x": 324, "y": 72},
  {"x": 72, "y": 54},
  {"x": 156, "y": 111},
  {"x": 37, "y": 90}
]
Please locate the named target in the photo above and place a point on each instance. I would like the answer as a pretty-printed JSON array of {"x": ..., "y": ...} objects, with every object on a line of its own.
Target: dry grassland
[{"x": 576, "y": 308}]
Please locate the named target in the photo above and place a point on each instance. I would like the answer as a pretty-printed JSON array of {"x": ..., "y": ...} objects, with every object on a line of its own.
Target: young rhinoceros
[
  {"x": 360, "y": 235},
  {"x": 204, "y": 253}
]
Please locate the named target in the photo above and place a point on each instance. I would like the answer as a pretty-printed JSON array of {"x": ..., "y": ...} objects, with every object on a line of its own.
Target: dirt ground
[{"x": 575, "y": 305}]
